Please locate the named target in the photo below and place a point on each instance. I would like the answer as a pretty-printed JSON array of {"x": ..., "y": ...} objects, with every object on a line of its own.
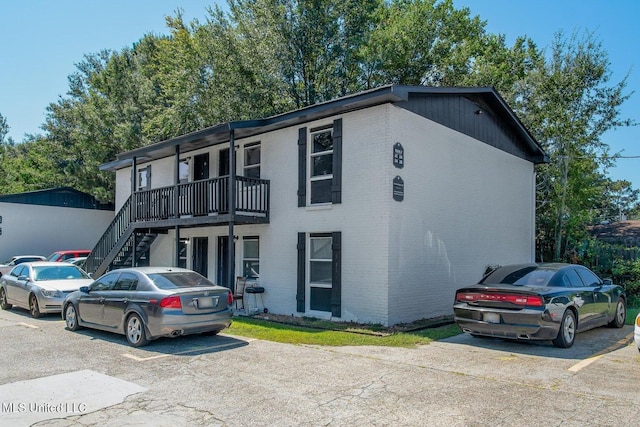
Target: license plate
[
  {"x": 204, "y": 302},
  {"x": 491, "y": 317}
]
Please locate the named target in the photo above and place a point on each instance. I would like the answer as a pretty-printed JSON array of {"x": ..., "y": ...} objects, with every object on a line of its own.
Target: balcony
[{"x": 202, "y": 203}]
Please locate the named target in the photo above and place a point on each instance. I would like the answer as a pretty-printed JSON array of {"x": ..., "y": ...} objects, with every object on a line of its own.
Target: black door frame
[{"x": 200, "y": 255}]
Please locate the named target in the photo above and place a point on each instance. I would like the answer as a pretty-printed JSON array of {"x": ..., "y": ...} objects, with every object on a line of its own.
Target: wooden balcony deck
[{"x": 202, "y": 203}]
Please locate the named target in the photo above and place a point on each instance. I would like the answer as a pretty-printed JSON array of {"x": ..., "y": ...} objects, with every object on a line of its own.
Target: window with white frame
[
  {"x": 252, "y": 160},
  {"x": 251, "y": 257},
  {"x": 320, "y": 275},
  {"x": 183, "y": 171},
  {"x": 144, "y": 178},
  {"x": 182, "y": 253},
  {"x": 321, "y": 165}
]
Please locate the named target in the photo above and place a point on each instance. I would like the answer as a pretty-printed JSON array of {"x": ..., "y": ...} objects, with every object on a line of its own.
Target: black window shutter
[
  {"x": 336, "y": 275},
  {"x": 302, "y": 167},
  {"x": 336, "y": 184},
  {"x": 301, "y": 272}
]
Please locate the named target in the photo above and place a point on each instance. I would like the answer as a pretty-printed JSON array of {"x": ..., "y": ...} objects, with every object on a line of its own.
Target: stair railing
[{"x": 109, "y": 238}]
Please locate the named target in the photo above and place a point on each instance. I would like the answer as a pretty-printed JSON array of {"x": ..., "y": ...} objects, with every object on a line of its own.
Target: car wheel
[
  {"x": 34, "y": 309},
  {"x": 567, "y": 333},
  {"x": 3, "y": 300},
  {"x": 135, "y": 331},
  {"x": 71, "y": 317},
  {"x": 620, "y": 316}
]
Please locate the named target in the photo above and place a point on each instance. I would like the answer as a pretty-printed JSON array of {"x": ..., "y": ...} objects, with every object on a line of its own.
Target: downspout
[
  {"x": 232, "y": 210},
  {"x": 176, "y": 211},
  {"x": 133, "y": 209},
  {"x": 133, "y": 189},
  {"x": 533, "y": 216}
]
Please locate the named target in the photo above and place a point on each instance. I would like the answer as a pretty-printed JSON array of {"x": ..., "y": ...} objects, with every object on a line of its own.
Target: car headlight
[{"x": 51, "y": 294}]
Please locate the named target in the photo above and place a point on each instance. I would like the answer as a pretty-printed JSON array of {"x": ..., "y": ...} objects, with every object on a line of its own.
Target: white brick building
[{"x": 372, "y": 208}]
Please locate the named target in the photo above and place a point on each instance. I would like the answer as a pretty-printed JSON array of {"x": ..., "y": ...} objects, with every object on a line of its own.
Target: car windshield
[
  {"x": 174, "y": 280},
  {"x": 62, "y": 272},
  {"x": 524, "y": 276}
]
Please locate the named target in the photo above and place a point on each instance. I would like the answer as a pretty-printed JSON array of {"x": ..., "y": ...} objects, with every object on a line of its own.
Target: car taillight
[
  {"x": 229, "y": 298},
  {"x": 524, "y": 300},
  {"x": 171, "y": 302},
  {"x": 638, "y": 321}
]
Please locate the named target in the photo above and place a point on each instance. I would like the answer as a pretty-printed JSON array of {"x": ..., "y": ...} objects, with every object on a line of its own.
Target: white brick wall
[{"x": 466, "y": 205}]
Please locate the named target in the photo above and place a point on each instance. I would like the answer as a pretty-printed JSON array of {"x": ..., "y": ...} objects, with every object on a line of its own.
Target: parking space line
[
  {"x": 193, "y": 350},
  {"x": 28, "y": 325},
  {"x": 584, "y": 363},
  {"x": 588, "y": 361}
]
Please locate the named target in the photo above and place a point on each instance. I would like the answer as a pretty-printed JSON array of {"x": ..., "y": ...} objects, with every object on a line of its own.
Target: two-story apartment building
[{"x": 372, "y": 208}]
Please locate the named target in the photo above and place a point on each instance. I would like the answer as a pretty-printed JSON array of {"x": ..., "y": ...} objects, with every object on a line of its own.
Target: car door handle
[
  {"x": 101, "y": 300},
  {"x": 126, "y": 300}
]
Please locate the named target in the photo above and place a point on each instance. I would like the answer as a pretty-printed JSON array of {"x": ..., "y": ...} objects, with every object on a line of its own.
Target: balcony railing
[{"x": 206, "y": 197}]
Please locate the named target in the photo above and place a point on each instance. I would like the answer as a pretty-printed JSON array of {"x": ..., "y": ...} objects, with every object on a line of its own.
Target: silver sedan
[
  {"x": 146, "y": 303},
  {"x": 40, "y": 287}
]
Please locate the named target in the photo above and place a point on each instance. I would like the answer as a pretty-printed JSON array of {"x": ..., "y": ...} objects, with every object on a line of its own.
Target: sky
[{"x": 43, "y": 40}]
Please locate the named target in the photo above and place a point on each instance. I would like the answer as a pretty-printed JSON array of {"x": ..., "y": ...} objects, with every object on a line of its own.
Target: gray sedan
[
  {"x": 40, "y": 287},
  {"x": 146, "y": 303}
]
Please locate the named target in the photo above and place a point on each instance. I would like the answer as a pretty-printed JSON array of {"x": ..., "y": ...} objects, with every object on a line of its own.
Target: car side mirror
[
  {"x": 84, "y": 289},
  {"x": 608, "y": 282},
  {"x": 23, "y": 278}
]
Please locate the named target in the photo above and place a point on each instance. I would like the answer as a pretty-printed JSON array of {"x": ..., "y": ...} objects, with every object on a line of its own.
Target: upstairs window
[
  {"x": 252, "y": 160},
  {"x": 321, "y": 166},
  {"x": 183, "y": 171},
  {"x": 144, "y": 178}
]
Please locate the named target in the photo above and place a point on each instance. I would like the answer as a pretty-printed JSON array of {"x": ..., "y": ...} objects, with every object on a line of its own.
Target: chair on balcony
[{"x": 238, "y": 291}]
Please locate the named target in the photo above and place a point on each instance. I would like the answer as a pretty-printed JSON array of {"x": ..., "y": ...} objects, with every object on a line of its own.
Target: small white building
[
  {"x": 44, "y": 221},
  {"x": 371, "y": 208}
]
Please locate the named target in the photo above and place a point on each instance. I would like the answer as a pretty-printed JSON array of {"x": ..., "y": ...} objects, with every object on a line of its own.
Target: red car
[{"x": 59, "y": 256}]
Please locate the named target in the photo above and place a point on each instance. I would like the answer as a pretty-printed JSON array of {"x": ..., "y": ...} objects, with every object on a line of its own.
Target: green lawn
[{"x": 294, "y": 334}]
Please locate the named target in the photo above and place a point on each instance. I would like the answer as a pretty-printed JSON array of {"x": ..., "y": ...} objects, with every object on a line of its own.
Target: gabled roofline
[{"x": 221, "y": 133}]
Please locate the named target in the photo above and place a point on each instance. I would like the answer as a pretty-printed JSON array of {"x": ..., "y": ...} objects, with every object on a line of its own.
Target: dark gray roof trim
[
  {"x": 220, "y": 134},
  {"x": 60, "y": 196}
]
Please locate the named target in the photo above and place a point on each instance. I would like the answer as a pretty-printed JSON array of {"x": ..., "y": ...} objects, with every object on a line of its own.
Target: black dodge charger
[{"x": 551, "y": 301}]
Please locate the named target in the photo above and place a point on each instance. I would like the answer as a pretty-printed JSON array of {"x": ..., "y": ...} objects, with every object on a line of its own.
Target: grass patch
[
  {"x": 631, "y": 316},
  {"x": 320, "y": 332}
]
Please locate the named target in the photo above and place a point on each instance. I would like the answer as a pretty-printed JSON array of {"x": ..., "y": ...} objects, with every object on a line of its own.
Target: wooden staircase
[{"x": 114, "y": 248}]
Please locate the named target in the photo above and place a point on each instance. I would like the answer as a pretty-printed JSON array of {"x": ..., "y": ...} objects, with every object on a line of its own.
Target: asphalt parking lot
[{"x": 54, "y": 377}]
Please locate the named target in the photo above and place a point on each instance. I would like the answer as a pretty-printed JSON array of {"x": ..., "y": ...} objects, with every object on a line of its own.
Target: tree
[
  {"x": 568, "y": 105},
  {"x": 620, "y": 201},
  {"x": 4, "y": 130},
  {"x": 421, "y": 42}
]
